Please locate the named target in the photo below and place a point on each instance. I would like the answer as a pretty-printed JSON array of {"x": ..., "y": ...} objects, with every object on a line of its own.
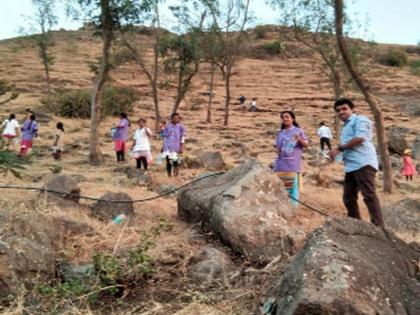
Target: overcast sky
[{"x": 390, "y": 21}]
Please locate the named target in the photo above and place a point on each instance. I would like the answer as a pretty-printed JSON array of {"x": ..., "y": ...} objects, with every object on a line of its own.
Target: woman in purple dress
[
  {"x": 29, "y": 131},
  {"x": 290, "y": 143},
  {"x": 173, "y": 145},
  {"x": 120, "y": 136}
]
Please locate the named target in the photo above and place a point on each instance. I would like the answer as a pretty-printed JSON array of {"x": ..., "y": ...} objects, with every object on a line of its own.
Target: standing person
[
  {"x": 325, "y": 135},
  {"x": 289, "y": 144},
  {"x": 253, "y": 105},
  {"x": 408, "y": 169},
  {"x": 58, "y": 141},
  {"x": 162, "y": 130},
  {"x": 173, "y": 144},
  {"x": 141, "y": 145},
  {"x": 120, "y": 136},
  {"x": 11, "y": 130},
  {"x": 360, "y": 161},
  {"x": 29, "y": 131}
]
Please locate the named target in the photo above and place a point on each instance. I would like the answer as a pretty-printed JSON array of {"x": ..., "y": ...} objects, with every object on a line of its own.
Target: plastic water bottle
[{"x": 119, "y": 218}]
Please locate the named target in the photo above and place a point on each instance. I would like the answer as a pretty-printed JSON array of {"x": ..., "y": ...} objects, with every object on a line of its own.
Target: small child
[
  {"x": 408, "y": 169},
  {"x": 11, "y": 130},
  {"x": 141, "y": 145},
  {"x": 173, "y": 144},
  {"x": 58, "y": 141},
  {"x": 162, "y": 130}
]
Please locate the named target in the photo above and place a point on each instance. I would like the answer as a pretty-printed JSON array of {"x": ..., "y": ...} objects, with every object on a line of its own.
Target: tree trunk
[
  {"x": 370, "y": 98},
  {"x": 95, "y": 155},
  {"x": 338, "y": 92},
  {"x": 227, "y": 101},
  {"x": 213, "y": 69}
]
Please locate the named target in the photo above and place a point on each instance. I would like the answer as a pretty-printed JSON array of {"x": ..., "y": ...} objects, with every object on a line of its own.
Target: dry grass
[{"x": 278, "y": 84}]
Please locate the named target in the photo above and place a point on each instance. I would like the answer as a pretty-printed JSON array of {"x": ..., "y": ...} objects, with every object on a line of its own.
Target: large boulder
[
  {"x": 396, "y": 140},
  {"x": 212, "y": 161},
  {"x": 247, "y": 208},
  {"x": 416, "y": 148},
  {"x": 28, "y": 249},
  {"x": 65, "y": 184},
  {"x": 403, "y": 218},
  {"x": 350, "y": 267},
  {"x": 106, "y": 211}
]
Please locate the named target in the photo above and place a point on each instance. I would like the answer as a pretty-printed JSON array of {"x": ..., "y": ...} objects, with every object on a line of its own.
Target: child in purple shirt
[
  {"x": 29, "y": 131},
  {"x": 173, "y": 145},
  {"x": 120, "y": 136}
]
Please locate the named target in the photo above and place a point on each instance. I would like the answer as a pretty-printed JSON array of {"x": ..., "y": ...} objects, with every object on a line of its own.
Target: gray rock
[
  {"x": 247, "y": 208},
  {"x": 212, "y": 161},
  {"x": 350, "y": 267},
  {"x": 210, "y": 264},
  {"x": 416, "y": 148},
  {"x": 403, "y": 218},
  {"x": 396, "y": 140},
  {"x": 166, "y": 189},
  {"x": 65, "y": 184},
  {"x": 69, "y": 272},
  {"x": 106, "y": 211},
  {"x": 139, "y": 177}
]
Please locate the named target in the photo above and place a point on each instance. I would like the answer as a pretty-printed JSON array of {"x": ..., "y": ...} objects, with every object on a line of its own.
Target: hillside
[{"x": 279, "y": 83}]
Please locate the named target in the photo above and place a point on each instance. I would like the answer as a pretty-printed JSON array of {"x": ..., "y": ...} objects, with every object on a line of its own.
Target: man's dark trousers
[
  {"x": 325, "y": 141},
  {"x": 362, "y": 180}
]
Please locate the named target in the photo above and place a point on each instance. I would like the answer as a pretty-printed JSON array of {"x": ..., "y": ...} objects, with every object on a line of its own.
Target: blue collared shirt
[{"x": 364, "y": 154}]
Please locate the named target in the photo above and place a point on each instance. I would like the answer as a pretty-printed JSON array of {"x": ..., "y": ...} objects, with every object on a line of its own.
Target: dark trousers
[
  {"x": 120, "y": 154},
  {"x": 325, "y": 141},
  {"x": 362, "y": 180},
  {"x": 171, "y": 166},
  {"x": 142, "y": 160}
]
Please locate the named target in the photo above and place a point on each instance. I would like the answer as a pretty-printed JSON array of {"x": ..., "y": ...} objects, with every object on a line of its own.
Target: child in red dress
[{"x": 408, "y": 169}]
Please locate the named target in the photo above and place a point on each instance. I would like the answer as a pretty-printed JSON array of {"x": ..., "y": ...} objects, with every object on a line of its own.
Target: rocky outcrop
[
  {"x": 350, "y": 267},
  {"x": 396, "y": 140},
  {"x": 416, "y": 148},
  {"x": 247, "y": 208},
  {"x": 106, "y": 211},
  {"x": 212, "y": 161},
  {"x": 28, "y": 249},
  {"x": 403, "y": 218},
  {"x": 210, "y": 265},
  {"x": 65, "y": 184}
]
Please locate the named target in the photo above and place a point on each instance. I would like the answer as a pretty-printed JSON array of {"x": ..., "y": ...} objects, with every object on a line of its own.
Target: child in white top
[
  {"x": 141, "y": 145},
  {"x": 11, "y": 129}
]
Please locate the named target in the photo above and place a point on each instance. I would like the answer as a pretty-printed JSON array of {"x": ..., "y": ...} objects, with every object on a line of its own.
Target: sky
[{"x": 390, "y": 21}]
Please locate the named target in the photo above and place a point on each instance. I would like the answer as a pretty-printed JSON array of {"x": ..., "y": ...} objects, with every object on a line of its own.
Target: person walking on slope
[
  {"x": 408, "y": 169},
  {"x": 141, "y": 145},
  {"x": 120, "y": 136},
  {"x": 11, "y": 130},
  {"x": 325, "y": 136},
  {"x": 29, "y": 131},
  {"x": 173, "y": 145},
  {"x": 58, "y": 141},
  {"x": 360, "y": 161}
]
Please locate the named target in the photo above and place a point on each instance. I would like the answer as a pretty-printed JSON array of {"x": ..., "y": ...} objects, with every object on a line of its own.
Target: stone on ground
[
  {"x": 106, "y": 211},
  {"x": 65, "y": 184}
]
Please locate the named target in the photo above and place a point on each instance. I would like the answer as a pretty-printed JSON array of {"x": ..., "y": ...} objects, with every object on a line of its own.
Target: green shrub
[
  {"x": 77, "y": 103},
  {"x": 415, "y": 67},
  {"x": 394, "y": 57},
  {"x": 274, "y": 47},
  {"x": 261, "y": 31}
]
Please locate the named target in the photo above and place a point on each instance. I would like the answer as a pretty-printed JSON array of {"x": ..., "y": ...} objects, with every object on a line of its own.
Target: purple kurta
[
  {"x": 122, "y": 130},
  {"x": 173, "y": 136},
  {"x": 29, "y": 129},
  {"x": 290, "y": 157}
]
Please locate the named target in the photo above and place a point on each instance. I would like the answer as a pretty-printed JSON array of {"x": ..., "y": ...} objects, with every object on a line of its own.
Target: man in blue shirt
[{"x": 360, "y": 161}]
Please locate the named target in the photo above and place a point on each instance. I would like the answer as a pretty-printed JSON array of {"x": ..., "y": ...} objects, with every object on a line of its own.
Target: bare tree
[
  {"x": 43, "y": 20},
  {"x": 369, "y": 97},
  {"x": 230, "y": 23},
  {"x": 128, "y": 40}
]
